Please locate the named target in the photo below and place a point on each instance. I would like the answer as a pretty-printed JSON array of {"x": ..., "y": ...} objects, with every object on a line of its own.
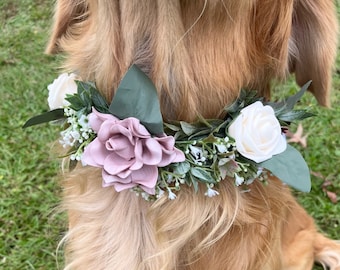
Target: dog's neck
[{"x": 199, "y": 54}]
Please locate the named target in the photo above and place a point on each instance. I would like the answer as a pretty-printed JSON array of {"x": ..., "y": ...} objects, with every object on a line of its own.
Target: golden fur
[{"x": 199, "y": 54}]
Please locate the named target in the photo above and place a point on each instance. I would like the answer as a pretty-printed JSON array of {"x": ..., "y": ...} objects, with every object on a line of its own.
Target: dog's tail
[{"x": 327, "y": 252}]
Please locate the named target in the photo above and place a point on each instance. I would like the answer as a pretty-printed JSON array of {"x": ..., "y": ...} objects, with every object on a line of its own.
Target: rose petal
[
  {"x": 180, "y": 157},
  {"x": 121, "y": 146},
  {"x": 95, "y": 122},
  {"x": 152, "y": 151},
  {"x": 146, "y": 177},
  {"x": 58, "y": 90},
  {"x": 138, "y": 161},
  {"x": 136, "y": 128},
  {"x": 125, "y": 174},
  {"x": 167, "y": 142},
  {"x": 114, "y": 164},
  {"x": 170, "y": 153},
  {"x": 234, "y": 130},
  {"x": 96, "y": 119},
  {"x": 167, "y": 159},
  {"x": 95, "y": 154},
  {"x": 120, "y": 187},
  {"x": 109, "y": 179},
  {"x": 104, "y": 116},
  {"x": 150, "y": 191},
  {"x": 281, "y": 145},
  {"x": 118, "y": 183},
  {"x": 110, "y": 128}
]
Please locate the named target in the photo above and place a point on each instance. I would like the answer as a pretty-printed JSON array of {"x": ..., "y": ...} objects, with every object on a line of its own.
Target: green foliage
[
  {"x": 287, "y": 165},
  {"x": 45, "y": 118},
  {"x": 136, "y": 96},
  {"x": 284, "y": 110},
  {"x": 30, "y": 225},
  {"x": 86, "y": 97}
]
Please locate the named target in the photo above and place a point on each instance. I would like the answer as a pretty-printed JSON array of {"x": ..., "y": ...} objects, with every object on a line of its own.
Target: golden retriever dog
[{"x": 199, "y": 54}]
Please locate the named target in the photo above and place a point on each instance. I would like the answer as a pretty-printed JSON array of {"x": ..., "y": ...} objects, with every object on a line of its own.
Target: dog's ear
[
  {"x": 314, "y": 45},
  {"x": 67, "y": 13}
]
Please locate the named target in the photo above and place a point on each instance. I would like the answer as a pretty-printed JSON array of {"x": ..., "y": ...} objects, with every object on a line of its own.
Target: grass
[{"x": 30, "y": 226}]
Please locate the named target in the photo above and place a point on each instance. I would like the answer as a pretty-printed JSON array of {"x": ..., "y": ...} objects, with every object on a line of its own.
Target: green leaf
[
  {"x": 194, "y": 182},
  {"x": 75, "y": 102},
  {"x": 84, "y": 87},
  {"x": 98, "y": 101},
  {"x": 45, "y": 117},
  {"x": 172, "y": 127},
  {"x": 87, "y": 96},
  {"x": 202, "y": 175},
  {"x": 204, "y": 121},
  {"x": 137, "y": 97},
  {"x": 292, "y": 100},
  {"x": 86, "y": 99},
  {"x": 245, "y": 98},
  {"x": 182, "y": 168},
  {"x": 199, "y": 134},
  {"x": 289, "y": 103},
  {"x": 294, "y": 115},
  {"x": 187, "y": 128},
  {"x": 290, "y": 168},
  {"x": 235, "y": 107}
]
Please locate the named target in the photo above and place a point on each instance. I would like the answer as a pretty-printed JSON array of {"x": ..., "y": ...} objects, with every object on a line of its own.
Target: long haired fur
[{"x": 199, "y": 54}]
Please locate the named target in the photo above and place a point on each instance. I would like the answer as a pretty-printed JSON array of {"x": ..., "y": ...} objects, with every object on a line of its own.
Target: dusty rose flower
[
  {"x": 58, "y": 90},
  {"x": 257, "y": 133},
  {"x": 127, "y": 152}
]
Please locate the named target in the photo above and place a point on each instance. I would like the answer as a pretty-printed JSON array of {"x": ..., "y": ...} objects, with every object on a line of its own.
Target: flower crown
[{"x": 136, "y": 150}]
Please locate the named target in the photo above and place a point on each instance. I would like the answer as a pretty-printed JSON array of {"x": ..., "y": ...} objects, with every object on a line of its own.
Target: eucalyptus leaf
[
  {"x": 137, "y": 97},
  {"x": 172, "y": 127},
  {"x": 199, "y": 134},
  {"x": 182, "y": 168},
  {"x": 202, "y": 175},
  {"x": 187, "y": 128},
  {"x": 178, "y": 135},
  {"x": 290, "y": 168},
  {"x": 204, "y": 121},
  {"x": 45, "y": 117},
  {"x": 194, "y": 182}
]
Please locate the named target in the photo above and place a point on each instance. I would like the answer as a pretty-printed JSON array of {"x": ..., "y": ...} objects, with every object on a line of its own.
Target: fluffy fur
[{"x": 199, "y": 54}]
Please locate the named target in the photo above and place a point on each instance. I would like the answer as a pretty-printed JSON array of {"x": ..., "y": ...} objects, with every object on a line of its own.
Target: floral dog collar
[{"x": 136, "y": 150}]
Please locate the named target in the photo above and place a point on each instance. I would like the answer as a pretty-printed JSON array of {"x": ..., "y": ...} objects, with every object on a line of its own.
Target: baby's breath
[{"x": 78, "y": 134}]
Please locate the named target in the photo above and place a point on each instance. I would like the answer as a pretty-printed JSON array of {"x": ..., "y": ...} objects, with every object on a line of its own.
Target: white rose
[
  {"x": 61, "y": 86},
  {"x": 257, "y": 133}
]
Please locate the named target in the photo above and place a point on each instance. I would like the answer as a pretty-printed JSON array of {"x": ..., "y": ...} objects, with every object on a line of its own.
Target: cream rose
[
  {"x": 257, "y": 133},
  {"x": 61, "y": 86}
]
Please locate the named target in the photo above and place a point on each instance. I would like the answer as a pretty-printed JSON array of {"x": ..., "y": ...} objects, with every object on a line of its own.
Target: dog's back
[{"x": 199, "y": 54}]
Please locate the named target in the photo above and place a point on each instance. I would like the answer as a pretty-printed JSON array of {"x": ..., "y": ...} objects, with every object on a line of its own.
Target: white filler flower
[
  {"x": 257, "y": 133},
  {"x": 61, "y": 86}
]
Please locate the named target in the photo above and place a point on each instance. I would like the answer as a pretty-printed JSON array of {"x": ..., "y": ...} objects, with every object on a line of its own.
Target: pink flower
[{"x": 127, "y": 152}]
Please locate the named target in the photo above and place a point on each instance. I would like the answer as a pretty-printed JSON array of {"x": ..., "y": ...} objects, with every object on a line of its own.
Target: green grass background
[{"x": 30, "y": 225}]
